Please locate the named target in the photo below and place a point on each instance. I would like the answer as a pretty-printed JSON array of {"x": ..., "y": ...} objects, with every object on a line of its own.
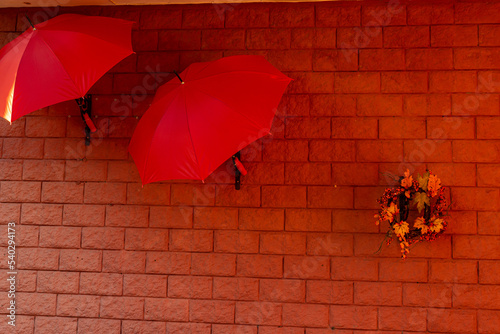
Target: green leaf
[
  {"x": 421, "y": 200},
  {"x": 423, "y": 180}
]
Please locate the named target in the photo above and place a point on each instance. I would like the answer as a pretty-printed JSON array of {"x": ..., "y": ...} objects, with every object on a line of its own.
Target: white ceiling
[{"x": 52, "y": 3}]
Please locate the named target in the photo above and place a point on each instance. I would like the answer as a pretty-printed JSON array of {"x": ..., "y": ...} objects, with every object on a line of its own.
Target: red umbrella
[
  {"x": 59, "y": 60},
  {"x": 196, "y": 123}
]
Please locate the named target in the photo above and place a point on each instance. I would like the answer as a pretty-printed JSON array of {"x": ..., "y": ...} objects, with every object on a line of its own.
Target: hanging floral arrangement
[{"x": 426, "y": 195}]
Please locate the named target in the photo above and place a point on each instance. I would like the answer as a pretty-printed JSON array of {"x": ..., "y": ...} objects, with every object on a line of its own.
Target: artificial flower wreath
[{"x": 427, "y": 195}]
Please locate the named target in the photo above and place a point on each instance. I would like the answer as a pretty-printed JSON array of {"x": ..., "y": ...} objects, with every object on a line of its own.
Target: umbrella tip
[{"x": 31, "y": 23}]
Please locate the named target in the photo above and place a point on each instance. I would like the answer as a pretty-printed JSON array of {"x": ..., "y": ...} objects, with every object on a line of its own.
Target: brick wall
[{"x": 378, "y": 87}]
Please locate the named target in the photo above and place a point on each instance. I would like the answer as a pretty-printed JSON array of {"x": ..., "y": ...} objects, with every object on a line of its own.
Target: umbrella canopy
[
  {"x": 212, "y": 111},
  {"x": 59, "y": 60}
]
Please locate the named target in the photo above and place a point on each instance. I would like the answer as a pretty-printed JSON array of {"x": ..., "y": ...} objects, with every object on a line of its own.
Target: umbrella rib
[{"x": 191, "y": 137}]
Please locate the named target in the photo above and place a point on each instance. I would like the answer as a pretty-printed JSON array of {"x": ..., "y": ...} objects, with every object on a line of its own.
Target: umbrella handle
[
  {"x": 89, "y": 122},
  {"x": 240, "y": 166},
  {"x": 239, "y": 170}
]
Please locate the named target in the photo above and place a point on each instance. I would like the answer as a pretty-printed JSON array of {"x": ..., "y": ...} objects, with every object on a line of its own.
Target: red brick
[
  {"x": 399, "y": 318},
  {"x": 310, "y": 173},
  {"x": 37, "y": 258},
  {"x": 211, "y": 311},
  {"x": 127, "y": 216},
  {"x": 428, "y": 150},
  {"x": 308, "y": 220},
  {"x": 334, "y": 60},
  {"x": 145, "y": 40},
  {"x": 282, "y": 243},
  {"x": 450, "y": 127},
  {"x": 123, "y": 262},
  {"x": 248, "y": 196},
  {"x": 213, "y": 264},
  {"x": 171, "y": 217},
  {"x": 486, "y": 223},
  {"x": 404, "y": 82},
  {"x": 378, "y": 293},
  {"x": 102, "y": 238},
  {"x": 361, "y": 82},
  {"x": 294, "y": 105},
  {"x": 379, "y": 105},
  {"x": 261, "y": 219},
  {"x": 381, "y": 59},
  {"x": 161, "y": 19},
  {"x": 264, "y": 173},
  {"x": 406, "y": 37},
  {"x": 482, "y": 199},
  {"x": 455, "y": 174},
  {"x": 89, "y": 326},
  {"x": 347, "y": 128},
  {"x": 306, "y": 267},
  {"x": 450, "y": 320},
  {"x": 190, "y": 287},
  {"x": 322, "y": 38},
  {"x": 357, "y": 269},
  {"x": 46, "y": 126},
  {"x": 330, "y": 197},
  {"x": 236, "y": 288},
  {"x": 85, "y": 171},
  {"x": 447, "y": 271},
  {"x": 311, "y": 82},
  {"x": 408, "y": 271},
  {"x": 329, "y": 292},
  {"x": 141, "y": 326},
  {"x": 427, "y": 295},
  {"x": 189, "y": 57},
  {"x": 268, "y": 39},
  {"x": 247, "y": 17},
  {"x": 83, "y": 215},
  {"x": 122, "y": 307},
  {"x": 293, "y": 60},
  {"x": 430, "y": 14},
  {"x": 23, "y": 148},
  {"x": 472, "y": 58},
  {"x": 80, "y": 260},
  {"x": 41, "y": 214},
  {"x": 60, "y": 237},
  {"x": 476, "y": 247},
  {"x": 58, "y": 282},
  {"x": 201, "y": 18},
  {"x": 236, "y": 242},
  {"x": 333, "y": 105},
  {"x": 359, "y": 317},
  {"x": 477, "y": 13},
  {"x": 488, "y": 175},
  {"x": 35, "y": 304},
  {"x": 151, "y": 194},
  {"x": 59, "y": 148},
  {"x": 374, "y": 245},
  {"x": 462, "y": 222},
  {"x": 488, "y": 321},
  {"x": 260, "y": 266},
  {"x": 487, "y": 128},
  {"x": 489, "y": 272},
  {"x": 426, "y": 105},
  {"x": 259, "y": 313},
  {"x": 122, "y": 171},
  {"x": 349, "y": 39},
  {"x": 379, "y": 151},
  {"x": 189, "y": 194},
  {"x": 215, "y": 218},
  {"x": 329, "y": 244},
  {"x": 305, "y": 315},
  {"x": 62, "y": 192},
  {"x": 292, "y": 16},
  {"x": 338, "y": 16},
  {"x": 308, "y": 127},
  {"x": 46, "y": 325},
  {"x": 354, "y": 174},
  {"x": 146, "y": 239},
  {"x": 383, "y": 15},
  {"x": 78, "y": 306},
  {"x": 10, "y": 213},
  {"x": 105, "y": 193},
  {"x": 475, "y": 104},
  {"x": 12, "y": 169},
  {"x": 20, "y": 191},
  {"x": 456, "y": 81},
  {"x": 402, "y": 128},
  {"x": 229, "y": 329},
  {"x": 112, "y": 149},
  {"x": 25, "y": 281},
  {"x": 145, "y": 285},
  {"x": 40, "y": 170},
  {"x": 221, "y": 39},
  {"x": 454, "y": 35},
  {"x": 429, "y": 59},
  {"x": 191, "y": 241},
  {"x": 489, "y": 35},
  {"x": 101, "y": 284},
  {"x": 283, "y": 196},
  {"x": 179, "y": 40},
  {"x": 282, "y": 290}
]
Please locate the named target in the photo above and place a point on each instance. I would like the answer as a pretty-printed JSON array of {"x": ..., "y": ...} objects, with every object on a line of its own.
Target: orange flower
[{"x": 433, "y": 185}]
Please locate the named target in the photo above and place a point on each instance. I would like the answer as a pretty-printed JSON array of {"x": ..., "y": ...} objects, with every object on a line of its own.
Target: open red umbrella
[
  {"x": 208, "y": 114},
  {"x": 59, "y": 60}
]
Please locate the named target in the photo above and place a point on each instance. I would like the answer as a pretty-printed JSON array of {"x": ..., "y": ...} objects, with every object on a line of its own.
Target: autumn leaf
[
  {"x": 437, "y": 225},
  {"x": 423, "y": 180},
  {"x": 420, "y": 223},
  {"x": 401, "y": 229},
  {"x": 421, "y": 199}
]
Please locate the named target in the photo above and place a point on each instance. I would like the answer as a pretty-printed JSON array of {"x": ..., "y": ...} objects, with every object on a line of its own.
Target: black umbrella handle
[{"x": 85, "y": 104}]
